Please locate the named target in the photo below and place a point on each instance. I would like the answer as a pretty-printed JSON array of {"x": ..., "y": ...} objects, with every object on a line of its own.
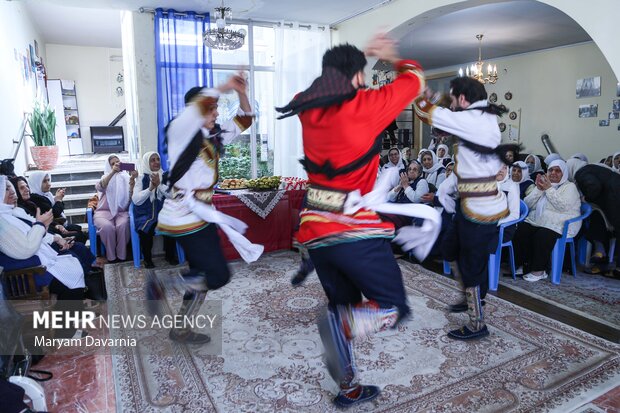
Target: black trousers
[
  {"x": 146, "y": 246},
  {"x": 205, "y": 256},
  {"x": 533, "y": 246},
  {"x": 597, "y": 230},
  {"x": 368, "y": 267},
  {"x": 470, "y": 243}
]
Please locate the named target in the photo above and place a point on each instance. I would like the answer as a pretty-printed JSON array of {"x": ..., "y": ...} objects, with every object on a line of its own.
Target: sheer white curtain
[{"x": 298, "y": 62}]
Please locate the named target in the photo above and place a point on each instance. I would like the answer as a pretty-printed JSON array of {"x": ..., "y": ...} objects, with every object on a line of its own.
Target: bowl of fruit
[{"x": 266, "y": 183}]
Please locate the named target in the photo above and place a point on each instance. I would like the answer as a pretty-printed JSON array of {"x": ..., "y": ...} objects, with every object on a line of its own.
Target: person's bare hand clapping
[{"x": 46, "y": 219}]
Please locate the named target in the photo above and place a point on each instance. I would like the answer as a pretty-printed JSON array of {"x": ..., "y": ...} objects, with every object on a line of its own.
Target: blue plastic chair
[
  {"x": 496, "y": 258},
  {"x": 92, "y": 233},
  {"x": 557, "y": 255},
  {"x": 135, "y": 241}
]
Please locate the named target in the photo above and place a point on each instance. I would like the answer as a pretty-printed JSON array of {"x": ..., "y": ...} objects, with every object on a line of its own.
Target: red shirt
[
  {"x": 345, "y": 132},
  {"x": 341, "y": 134}
]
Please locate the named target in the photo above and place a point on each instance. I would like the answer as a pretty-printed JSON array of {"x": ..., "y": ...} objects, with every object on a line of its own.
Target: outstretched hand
[
  {"x": 236, "y": 83},
  {"x": 382, "y": 47}
]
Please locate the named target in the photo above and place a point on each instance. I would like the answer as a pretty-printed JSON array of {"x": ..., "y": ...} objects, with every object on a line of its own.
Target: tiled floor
[
  {"x": 609, "y": 402},
  {"x": 82, "y": 382}
]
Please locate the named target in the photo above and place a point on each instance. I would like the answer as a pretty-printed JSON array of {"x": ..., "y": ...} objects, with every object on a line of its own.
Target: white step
[
  {"x": 92, "y": 166},
  {"x": 72, "y": 212},
  {"x": 85, "y": 182},
  {"x": 84, "y": 226},
  {"x": 77, "y": 197}
]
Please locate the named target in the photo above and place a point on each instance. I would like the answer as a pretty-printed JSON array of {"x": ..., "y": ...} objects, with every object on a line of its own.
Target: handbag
[{"x": 95, "y": 285}]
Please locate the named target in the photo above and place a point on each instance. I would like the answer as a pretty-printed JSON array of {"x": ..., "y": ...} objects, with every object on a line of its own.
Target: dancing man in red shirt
[{"x": 350, "y": 246}]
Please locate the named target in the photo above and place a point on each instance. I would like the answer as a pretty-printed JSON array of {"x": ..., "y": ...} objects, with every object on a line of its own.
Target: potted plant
[{"x": 42, "y": 126}]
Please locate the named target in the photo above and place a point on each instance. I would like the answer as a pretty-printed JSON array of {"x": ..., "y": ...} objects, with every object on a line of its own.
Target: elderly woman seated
[
  {"x": 433, "y": 170},
  {"x": 552, "y": 201},
  {"x": 40, "y": 183},
  {"x": 62, "y": 241},
  {"x": 443, "y": 154},
  {"x": 411, "y": 186},
  {"x": 23, "y": 245},
  {"x": 520, "y": 175},
  {"x": 111, "y": 216}
]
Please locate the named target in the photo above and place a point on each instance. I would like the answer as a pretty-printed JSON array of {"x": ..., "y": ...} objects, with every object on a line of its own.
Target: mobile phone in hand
[{"x": 126, "y": 166}]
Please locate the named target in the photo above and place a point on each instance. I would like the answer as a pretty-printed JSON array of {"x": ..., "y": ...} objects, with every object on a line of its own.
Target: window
[{"x": 251, "y": 154}]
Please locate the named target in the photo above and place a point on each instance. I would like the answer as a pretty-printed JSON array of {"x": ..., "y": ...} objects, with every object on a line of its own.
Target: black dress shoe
[
  {"x": 464, "y": 333},
  {"x": 148, "y": 264},
  {"x": 461, "y": 307},
  {"x": 172, "y": 261},
  {"x": 189, "y": 337}
]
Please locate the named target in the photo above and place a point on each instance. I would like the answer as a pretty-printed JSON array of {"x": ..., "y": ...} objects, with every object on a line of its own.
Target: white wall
[
  {"x": 139, "y": 45},
  {"x": 543, "y": 87},
  {"x": 16, "y": 94},
  {"x": 94, "y": 71}
]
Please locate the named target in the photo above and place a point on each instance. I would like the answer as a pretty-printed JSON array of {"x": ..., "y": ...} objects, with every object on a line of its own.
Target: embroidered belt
[
  {"x": 477, "y": 187},
  {"x": 324, "y": 199},
  {"x": 202, "y": 195}
]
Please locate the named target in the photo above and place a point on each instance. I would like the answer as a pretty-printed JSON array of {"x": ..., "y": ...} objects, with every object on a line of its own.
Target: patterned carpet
[
  {"x": 272, "y": 360},
  {"x": 592, "y": 296}
]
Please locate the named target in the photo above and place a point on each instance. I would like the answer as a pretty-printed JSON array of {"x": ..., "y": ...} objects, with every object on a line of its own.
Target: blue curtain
[{"x": 182, "y": 62}]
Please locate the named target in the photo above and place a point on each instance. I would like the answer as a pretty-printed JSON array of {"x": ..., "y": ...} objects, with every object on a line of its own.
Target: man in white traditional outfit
[
  {"x": 195, "y": 143},
  {"x": 478, "y": 158}
]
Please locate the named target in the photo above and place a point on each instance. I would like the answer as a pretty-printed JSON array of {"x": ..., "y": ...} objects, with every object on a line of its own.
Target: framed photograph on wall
[
  {"x": 604, "y": 122},
  {"x": 614, "y": 115},
  {"x": 616, "y": 105},
  {"x": 618, "y": 89},
  {"x": 588, "y": 86},
  {"x": 588, "y": 111}
]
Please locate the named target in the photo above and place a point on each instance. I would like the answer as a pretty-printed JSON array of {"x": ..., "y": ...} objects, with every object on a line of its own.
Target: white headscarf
[
  {"x": 525, "y": 176},
  {"x": 436, "y": 164},
  {"x": 445, "y": 147},
  {"x": 581, "y": 156},
  {"x": 612, "y": 162},
  {"x": 573, "y": 165},
  {"x": 537, "y": 165},
  {"x": 4, "y": 208},
  {"x": 542, "y": 202},
  {"x": 552, "y": 157},
  {"x": 507, "y": 178},
  {"x": 146, "y": 164},
  {"x": 117, "y": 191},
  {"x": 35, "y": 181},
  {"x": 400, "y": 165},
  {"x": 403, "y": 152}
]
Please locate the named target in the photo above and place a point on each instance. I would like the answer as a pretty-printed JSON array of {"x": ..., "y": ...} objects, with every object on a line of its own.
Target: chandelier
[
  {"x": 476, "y": 70},
  {"x": 220, "y": 37}
]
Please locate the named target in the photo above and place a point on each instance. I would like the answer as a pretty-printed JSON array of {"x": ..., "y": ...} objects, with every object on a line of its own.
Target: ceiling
[{"x": 439, "y": 39}]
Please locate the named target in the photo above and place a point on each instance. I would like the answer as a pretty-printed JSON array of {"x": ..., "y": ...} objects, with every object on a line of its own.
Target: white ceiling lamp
[
  {"x": 220, "y": 37},
  {"x": 476, "y": 70}
]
